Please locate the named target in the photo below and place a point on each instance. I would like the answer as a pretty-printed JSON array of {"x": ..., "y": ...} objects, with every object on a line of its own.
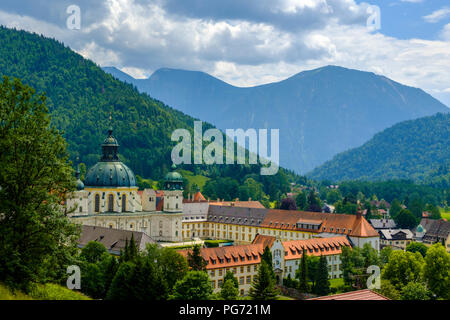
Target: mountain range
[
  {"x": 319, "y": 113},
  {"x": 81, "y": 96},
  {"x": 416, "y": 149}
]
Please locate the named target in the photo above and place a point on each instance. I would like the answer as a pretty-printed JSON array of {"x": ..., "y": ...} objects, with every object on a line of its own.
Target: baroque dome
[
  {"x": 110, "y": 174},
  {"x": 110, "y": 171}
]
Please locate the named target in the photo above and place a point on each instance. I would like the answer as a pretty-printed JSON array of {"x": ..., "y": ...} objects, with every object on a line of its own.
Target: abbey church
[{"x": 110, "y": 198}]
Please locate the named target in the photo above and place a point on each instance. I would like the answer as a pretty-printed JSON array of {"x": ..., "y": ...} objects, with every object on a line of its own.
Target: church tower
[{"x": 173, "y": 192}]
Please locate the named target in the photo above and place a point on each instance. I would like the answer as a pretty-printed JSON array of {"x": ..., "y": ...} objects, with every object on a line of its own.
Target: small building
[
  {"x": 379, "y": 224},
  {"x": 398, "y": 239},
  {"x": 436, "y": 231},
  {"x": 113, "y": 239}
]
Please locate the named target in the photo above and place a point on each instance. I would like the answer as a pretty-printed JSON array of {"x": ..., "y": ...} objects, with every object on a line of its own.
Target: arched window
[
  {"x": 97, "y": 203},
  {"x": 110, "y": 203},
  {"x": 124, "y": 203}
]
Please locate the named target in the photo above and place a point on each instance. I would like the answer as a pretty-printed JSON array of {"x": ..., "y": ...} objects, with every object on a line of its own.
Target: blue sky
[
  {"x": 252, "y": 42},
  {"x": 404, "y": 19}
]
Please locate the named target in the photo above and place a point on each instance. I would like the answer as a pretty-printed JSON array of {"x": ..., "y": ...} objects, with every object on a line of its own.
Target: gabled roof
[
  {"x": 365, "y": 294},
  {"x": 230, "y": 256},
  {"x": 383, "y": 223},
  {"x": 345, "y": 224},
  {"x": 396, "y": 234},
  {"x": 113, "y": 239},
  {"x": 264, "y": 240},
  {"x": 315, "y": 247},
  {"x": 436, "y": 228}
]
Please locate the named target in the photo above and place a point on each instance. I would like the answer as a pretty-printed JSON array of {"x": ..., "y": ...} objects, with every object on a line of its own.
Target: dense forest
[
  {"x": 417, "y": 150},
  {"x": 80, "y": 96}
]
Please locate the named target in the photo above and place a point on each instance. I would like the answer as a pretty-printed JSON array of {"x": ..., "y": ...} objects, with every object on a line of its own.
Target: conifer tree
[
  {"x": 267, "y": 257},
  {"x": 263, "y": 286},
  {"x": 303, "y": 273},
  {"x": 195, "y": 259},
  {"x": 322, "y": 287}
]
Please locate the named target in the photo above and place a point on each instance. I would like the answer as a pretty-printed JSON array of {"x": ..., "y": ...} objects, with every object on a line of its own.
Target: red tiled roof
[
  {"x": 318, "y": 246},
  {"x": 365, "y": 294},
  {"x": 217, "y": 257},
  {"x": 199, "y": 197},
  {"x": 264, "y": 240}
]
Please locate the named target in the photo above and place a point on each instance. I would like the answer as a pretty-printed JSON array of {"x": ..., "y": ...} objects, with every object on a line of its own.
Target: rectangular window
[
  {"x": 242, "y": 269},
  {"x": 249, "y": 279},
  {"x": 241, "y": 280}
]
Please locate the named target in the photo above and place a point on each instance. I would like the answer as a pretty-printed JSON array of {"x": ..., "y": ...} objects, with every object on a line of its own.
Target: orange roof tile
[
  {"x": 265, "y": 240},
  {"x": 217, "y": 257},
  {"x": 294, "y": 248}
]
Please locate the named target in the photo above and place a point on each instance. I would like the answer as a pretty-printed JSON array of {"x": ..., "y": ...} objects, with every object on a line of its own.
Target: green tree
[
  {"x": 194, "y": 286},
  {"x": 108, "y": 267},
  {"x": 35, "y": 177},
  {"x": 313, "y": 202},
  {"x": 388, "y": 290},
  {"x": 302, "y": 273},
  {"x": 229, "y": 290},
  {"x": 415, "y": 291},
  {"x": 195, "y": 259},
  {"x": 395, "y": 208},
  {"x": 267, "y": 257},
  {"x": 173, "y": 266},
  {"x": 435, "y": 213},
  {"x": 384, "y": 255},
  {"x": 403, "y": 267},
  {"x": 417, "y": 247},
  {"x": 405, "y": 220},
  {"x": 93, "y": 251},
  {"x": 263, "y": 286},
  {"x": 92, "y": 280},
  {"x": 333, "y": 196},
  {"x": 121, "y": 287},
  {"x": 230, "y": 276},
  {"x": 322, "y": 286},
  {"x": 300, "y": 200},
  {"x": 416, "y": 206},
  {"x": 437, "y": 271}
]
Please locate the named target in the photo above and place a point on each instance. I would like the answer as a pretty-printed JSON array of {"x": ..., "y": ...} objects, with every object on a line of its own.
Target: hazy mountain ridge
[{"x": 319, "y": 112}]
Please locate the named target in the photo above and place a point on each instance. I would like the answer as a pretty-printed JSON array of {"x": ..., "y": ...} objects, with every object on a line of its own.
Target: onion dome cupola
[
  {"x": 79, "y": 183},
  {"x": 110, "y": 171},
  {"x": 173, "y": 180}
]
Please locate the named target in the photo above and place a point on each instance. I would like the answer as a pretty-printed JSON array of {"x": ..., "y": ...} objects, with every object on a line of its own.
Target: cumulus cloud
[{"x": 242, "y": 42}]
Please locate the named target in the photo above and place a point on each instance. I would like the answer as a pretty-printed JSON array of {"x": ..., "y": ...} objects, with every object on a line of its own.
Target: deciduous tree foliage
[
  {"x": 194, "y": 286},
  {"x": 35, "y": 176},
  {"x": 437, "y": 271}
]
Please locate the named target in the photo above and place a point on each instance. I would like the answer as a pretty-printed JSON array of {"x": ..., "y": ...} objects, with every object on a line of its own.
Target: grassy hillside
[
  {"x": 48, "y": 291},
  {"x": 417, "y": 149}
]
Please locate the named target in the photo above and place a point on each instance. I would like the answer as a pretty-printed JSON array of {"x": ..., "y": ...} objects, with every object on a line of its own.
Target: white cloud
[
  {"x": 141, "y": 36},
  {"x": 437, "y": 15}
]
